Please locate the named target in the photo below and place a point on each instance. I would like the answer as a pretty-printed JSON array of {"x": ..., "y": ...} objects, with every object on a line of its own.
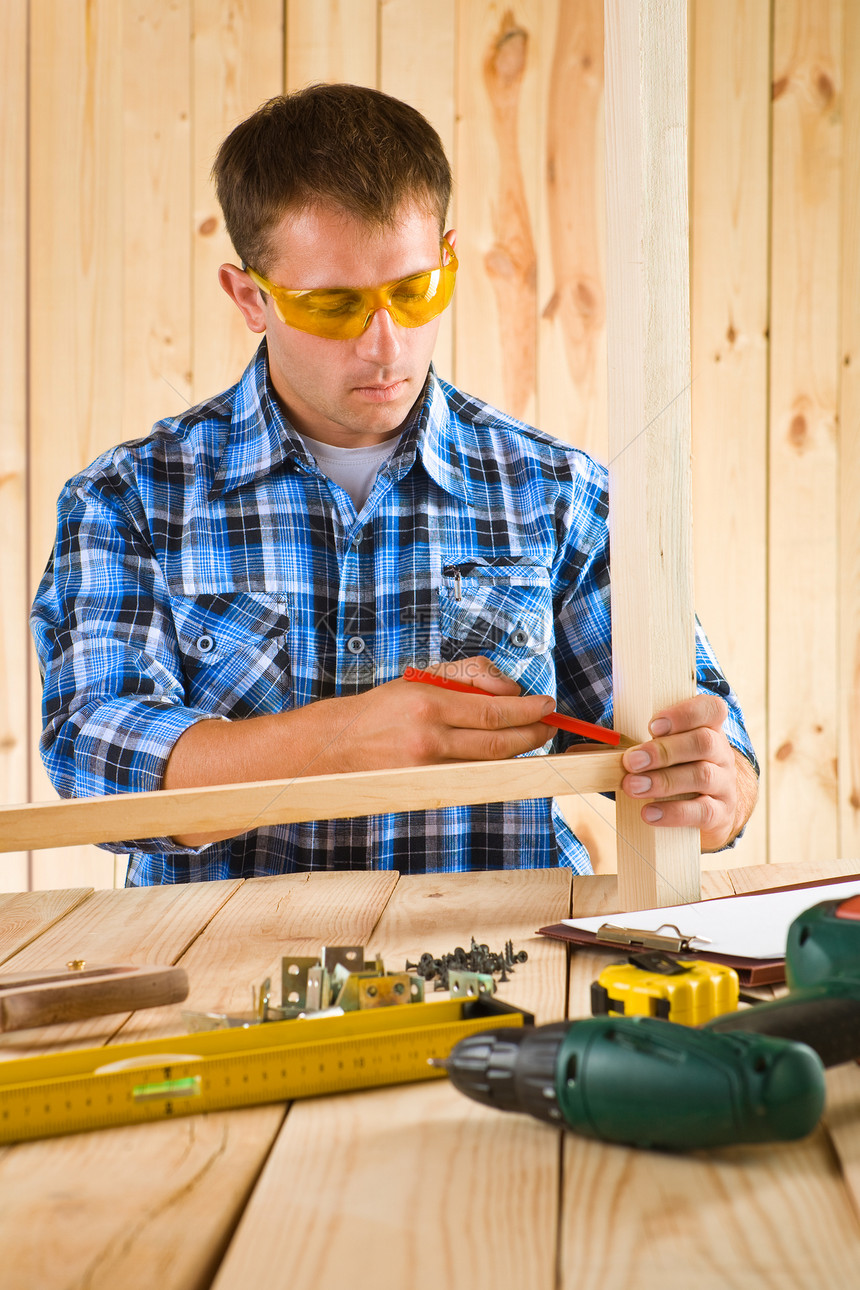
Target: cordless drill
[{"x": 751, "y": 1076}]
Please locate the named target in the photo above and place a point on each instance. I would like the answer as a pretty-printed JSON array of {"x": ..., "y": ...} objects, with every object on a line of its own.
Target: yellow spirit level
[{"x": 158, "y": 1079}]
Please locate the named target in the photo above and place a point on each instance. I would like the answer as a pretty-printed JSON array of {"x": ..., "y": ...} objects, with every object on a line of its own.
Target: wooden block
[{"x": 649, "y": 411}]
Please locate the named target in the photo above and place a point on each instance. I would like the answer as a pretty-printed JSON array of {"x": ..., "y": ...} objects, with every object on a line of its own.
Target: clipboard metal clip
[{"x": 608, "y": 933}]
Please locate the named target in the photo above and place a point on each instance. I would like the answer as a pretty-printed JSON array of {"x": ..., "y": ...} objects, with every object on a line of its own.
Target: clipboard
[{"x": 678, "y": 930}]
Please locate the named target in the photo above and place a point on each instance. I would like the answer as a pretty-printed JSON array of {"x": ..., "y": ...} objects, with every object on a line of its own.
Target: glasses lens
[
  {"x": 341, "y": 313},
  {"x": 333, "y": 312}
]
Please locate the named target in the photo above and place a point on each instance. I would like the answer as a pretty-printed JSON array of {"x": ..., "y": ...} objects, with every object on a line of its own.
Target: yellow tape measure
[
  {"x": 158, "y": 1079},
  {"x": 689, "y": 991}
]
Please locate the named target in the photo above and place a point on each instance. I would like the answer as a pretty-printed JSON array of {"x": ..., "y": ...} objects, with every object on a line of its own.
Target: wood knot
[
  {"x": 586, "y": 301},
  {"x": 510, "y": 48},
  {"x": 208, "y": 226},
  {"x": 825, "y": 88},
  {"x": 779, "y": 88},
  {"x": 784, "y": 751},
  {"x": 499, "y": 263},
  {"x": 854, "y": 800},
  {"x": 798, "y": 431},
  {"x": 551, "y": 308},
  {"x": 731, "y": 334}
]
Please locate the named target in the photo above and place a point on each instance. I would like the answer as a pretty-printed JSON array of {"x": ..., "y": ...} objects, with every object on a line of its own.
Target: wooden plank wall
[{"x": 111, "y": 237}]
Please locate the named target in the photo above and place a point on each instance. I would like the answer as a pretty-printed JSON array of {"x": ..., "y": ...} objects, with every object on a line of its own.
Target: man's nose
[{"x": 379, "y": 342}]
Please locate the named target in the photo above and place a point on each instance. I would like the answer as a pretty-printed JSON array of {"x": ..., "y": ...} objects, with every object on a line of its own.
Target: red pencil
[{"x": 572, "y": 724}]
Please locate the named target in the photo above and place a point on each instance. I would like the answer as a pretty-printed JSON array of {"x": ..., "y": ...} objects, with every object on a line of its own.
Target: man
[{"x": 237, "y": 596}]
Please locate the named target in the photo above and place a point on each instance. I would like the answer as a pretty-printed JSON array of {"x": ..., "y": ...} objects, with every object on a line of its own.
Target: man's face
[{"x": 351, "y": 393}]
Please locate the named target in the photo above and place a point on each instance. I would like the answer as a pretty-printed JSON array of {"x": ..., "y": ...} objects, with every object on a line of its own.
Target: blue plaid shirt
[{"x": 212, "y": 570}]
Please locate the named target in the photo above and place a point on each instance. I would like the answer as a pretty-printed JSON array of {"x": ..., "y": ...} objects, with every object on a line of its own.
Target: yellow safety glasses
[{"x": 342, "y": 313}]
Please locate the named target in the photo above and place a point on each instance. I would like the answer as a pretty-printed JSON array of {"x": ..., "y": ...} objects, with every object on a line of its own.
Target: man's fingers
[
  {"x": 699, "y": 777},
  {"x": 475, "y": 712},
  {"x": 477, "y": 671},
  {"x": 702, "y": 744},
  {"x": 494, "y": 745},
  {"x": 706, "y": 814},
  {"x": 701, "y": 710}
]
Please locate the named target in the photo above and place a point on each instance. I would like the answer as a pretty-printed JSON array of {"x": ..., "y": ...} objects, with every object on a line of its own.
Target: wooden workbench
[{"x": 403, "y": 1188}]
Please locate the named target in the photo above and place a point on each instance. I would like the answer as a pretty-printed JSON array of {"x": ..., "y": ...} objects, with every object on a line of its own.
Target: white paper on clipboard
[{"x": 754, "y": 927}]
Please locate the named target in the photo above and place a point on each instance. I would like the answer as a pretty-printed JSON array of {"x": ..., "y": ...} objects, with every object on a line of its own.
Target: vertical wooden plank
[
  {"x": 571, "y": 266},
  {"x": 498, "y": 160},
  {"x": 396, "y": 1165},
  {"x": 649, "y": 411},
  {"x": 14, "y": 651},
  {"x": 849, "y": 449},
  {"x": 76, "y": 297},
  {"x": 157, "y": 1208},
  {"x": 156, "y": 109},
  {"x": 331, "y": 40},
  {"x": 417, "y": 60},
  {"x": 807, "y": 135},
  {"x": 238, "y": 63},
  {"x": 730, "y": 125}
]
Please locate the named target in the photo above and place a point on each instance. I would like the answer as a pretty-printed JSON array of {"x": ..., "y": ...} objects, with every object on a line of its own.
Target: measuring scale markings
[{"x": 280, "y": 1061}]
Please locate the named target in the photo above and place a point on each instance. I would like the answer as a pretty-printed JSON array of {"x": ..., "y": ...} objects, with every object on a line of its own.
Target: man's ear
[
  {"x": 451, "y": 238},
  {"x": 245, "y": 295}
]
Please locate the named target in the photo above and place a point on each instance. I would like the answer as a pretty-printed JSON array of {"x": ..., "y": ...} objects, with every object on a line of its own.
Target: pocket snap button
[
  {"x": 205, "y": 644},
  {"x": 519, "y": 637},
  {"x": 356, "y": 645}
]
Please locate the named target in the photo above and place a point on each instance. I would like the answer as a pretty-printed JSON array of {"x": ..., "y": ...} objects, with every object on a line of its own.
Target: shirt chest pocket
[
  {"x": 499, "y": 607},
  {"x": 235, "y": 651}
]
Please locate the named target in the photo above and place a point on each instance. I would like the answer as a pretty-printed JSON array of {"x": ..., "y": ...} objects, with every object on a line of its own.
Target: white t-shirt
[{"x": 354, "y": 469}]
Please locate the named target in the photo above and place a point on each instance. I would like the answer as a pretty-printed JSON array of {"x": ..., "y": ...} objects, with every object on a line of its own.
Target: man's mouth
[{"x": 381, "y": 391}]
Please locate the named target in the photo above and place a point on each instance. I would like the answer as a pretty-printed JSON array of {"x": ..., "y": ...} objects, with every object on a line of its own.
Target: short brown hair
[{"x": 340, "y": 145}]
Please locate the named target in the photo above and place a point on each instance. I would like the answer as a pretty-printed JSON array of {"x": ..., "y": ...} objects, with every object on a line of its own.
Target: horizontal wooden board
[{"x": 241, "y": 807}]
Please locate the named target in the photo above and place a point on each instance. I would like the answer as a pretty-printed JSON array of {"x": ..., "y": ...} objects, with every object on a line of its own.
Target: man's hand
[
  {"x": 400, "y": 723},
  {"x": 690, "y": 756},
  {"x": 405, "y": 723}
]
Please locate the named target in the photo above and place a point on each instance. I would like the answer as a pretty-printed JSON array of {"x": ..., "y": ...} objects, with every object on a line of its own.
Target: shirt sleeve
[{"x": 113, "y": 700}]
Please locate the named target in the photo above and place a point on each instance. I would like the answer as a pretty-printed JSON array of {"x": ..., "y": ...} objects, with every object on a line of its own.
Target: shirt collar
[{"x": 261, "y": 438}]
